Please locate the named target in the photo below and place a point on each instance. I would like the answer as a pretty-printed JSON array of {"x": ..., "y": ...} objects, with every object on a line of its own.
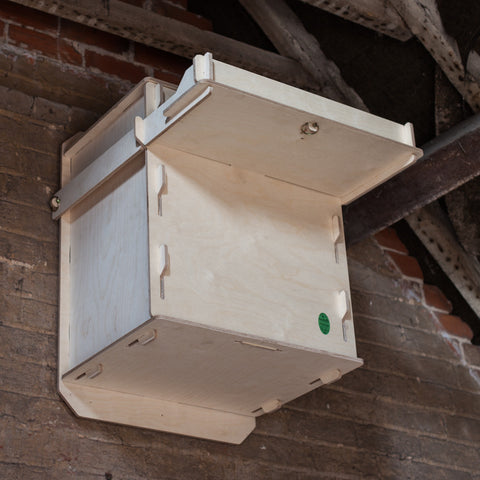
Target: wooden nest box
[{"x": 203, "y": 272}]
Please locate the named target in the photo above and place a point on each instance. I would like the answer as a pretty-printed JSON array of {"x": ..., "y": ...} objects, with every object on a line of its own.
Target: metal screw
[
  {"x": 309, "y": 128},
  {"x": 54, "y": 203}
]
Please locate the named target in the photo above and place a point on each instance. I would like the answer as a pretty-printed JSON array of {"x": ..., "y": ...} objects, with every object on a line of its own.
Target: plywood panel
[
  {"x": 109, "y": 263},
  {"x": 246, "y": 253},
  {"x": 198, "y": 366},
  {"x": 262, "y": 136}
]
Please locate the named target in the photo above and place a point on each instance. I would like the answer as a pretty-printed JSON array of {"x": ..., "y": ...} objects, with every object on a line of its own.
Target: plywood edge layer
[{"x": 155, "y": 414}]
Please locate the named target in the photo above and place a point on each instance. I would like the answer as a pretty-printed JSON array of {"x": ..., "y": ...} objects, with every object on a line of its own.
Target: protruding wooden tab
[
  {"x": 153, "y": 97},
  {"x": 271, "y": 405},
  {"x": 330, "y": 376}
]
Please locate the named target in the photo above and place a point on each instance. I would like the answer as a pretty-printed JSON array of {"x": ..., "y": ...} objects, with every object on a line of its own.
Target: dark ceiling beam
[
  {"x": 377, "y": 15},
  {"x": 449, "y": 160},
  {"x": 287, "y": 33},
  {"x": 152, "y": 29},
  {"x": 423, "y": 19}
]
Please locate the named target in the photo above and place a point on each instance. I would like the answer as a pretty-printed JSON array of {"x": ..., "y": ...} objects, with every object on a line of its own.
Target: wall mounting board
[{"x": 204, "y": 277}]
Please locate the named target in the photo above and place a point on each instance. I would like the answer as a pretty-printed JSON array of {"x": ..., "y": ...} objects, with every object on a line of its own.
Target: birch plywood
[
  {"x": 254, "y": 123},
  {"x": 212, "y": 369},
  {"x": 246, "y": 253},
  {"x": 202, "y": 250}
]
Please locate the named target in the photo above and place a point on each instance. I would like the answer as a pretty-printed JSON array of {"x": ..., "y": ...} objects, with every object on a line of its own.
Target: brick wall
[{"x": 413, "y": 410}]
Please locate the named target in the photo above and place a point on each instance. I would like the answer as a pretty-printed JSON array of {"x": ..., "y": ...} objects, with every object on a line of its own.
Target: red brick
[
  {"x": 69, "y": 54},
  {"x": 163, "y": 8},
  {"x": 28, "y": 17},
  {"x": 389, "y": 240},
  {"x": 407, "y": 265},
  {"x": 167, "y": 76},
  {"x": 33, "y": 40},
  {"x": 455, "y": 325},
  {"x": 114, "y": 66},
  {"x": 160, "y": 59},
  {"x": 91, "y": 36},
  {"x": 472, "y": 354},
  {"x": 435, "y": 299},
  {"x": 2, "y": 28}
]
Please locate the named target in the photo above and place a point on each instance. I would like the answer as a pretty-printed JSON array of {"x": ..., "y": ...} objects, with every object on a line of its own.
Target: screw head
[
  {"x": 54, "y": 203},
  {"x": 309, "y": 128}
]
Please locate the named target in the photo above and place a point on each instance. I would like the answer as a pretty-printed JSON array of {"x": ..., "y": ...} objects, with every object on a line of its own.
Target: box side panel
[
  {"x": 248, "y": 254},
  {"x": 191, "y": 365},
  {"x": 262, "y": 136},
  {"x": 109, "y": 263}
]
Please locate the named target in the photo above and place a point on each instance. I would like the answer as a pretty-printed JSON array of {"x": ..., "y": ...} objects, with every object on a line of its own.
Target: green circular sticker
[{"x": 324, "y": 323}]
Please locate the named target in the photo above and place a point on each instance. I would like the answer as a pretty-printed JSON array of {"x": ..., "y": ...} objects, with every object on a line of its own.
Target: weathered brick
[
  {"x": 92, "y": 36},
  {"x": 364, "y": 279},
  {"x": 462, "y": 428},
  {"x": 44, "y": 77},
  {"x": 168, "y": 77},
  {"x": 37, "y": 41},
  {"x": 435, "y": 299},
  {"x": 113, "y": 66},
  {"x": 28, "y": 17},
  {"x": 26, "y": 283},
  {"x": 392, "y": 309},
  {"x": 472, "y": 354},
  {"x": 28, "y": 378},
  {"x": 468, "y": 378},
  {"x": 27, "y": 221},
  {"x": 44, "y": 167},
  {"x": 429, "y": 369},
  {"x": 252, "y": 469},
  {"x": 455, "y": 325},
  {"x": 388, "y": 240},
  {"x": 28, "y": 314},
  {"x": 450, "y": 453},
  {"x": 372, "y": 410},
  {"x": 163, "y": 61},
  {"x": 24, "y": 252},
  {"x": 25, "y": 191},
  {"x": 391, "y": 468},
  {"x": 410, "y": 391},
  {"x": 466, "y": 403},
  {"x": 396, "y": 336},
  {"x": 40, "y": 138},
  {"x": 72, "y": 119},
  {"x": 306, "y": 427},
  {"x": 17, "y": 344},
  {"x": 407, "y": 265},
  {"x": 15, "y": 101},
  {"x": 68, "y": 53},
  {"x": 368, "y": 254}
]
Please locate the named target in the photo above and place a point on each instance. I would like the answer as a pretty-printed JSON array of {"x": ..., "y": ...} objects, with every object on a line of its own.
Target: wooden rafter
[
  {"x": 432, "y": 227},
  {"x": 423, "y": 19},
  {"x": 377, "y": 15},
  {"x": 449, "y": 161},
  {"x": 170, "y": 35},
  {"x": 290, "y": 38}
]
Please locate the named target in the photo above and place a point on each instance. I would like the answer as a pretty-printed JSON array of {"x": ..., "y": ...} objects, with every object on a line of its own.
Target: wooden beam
[
  {"x": 377, "y": 15},
  {"x": 291, "y": 39},
  {"x": 450, "y": 160},
  {"x": 423, "y": 19},
  {"x": 432, "y": 227},
  {"x": 170, "y": 35}
]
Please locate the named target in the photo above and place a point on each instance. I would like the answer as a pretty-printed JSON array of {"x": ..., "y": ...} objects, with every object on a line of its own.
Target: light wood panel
[
  {"x": 184, "y": 363},
  {"x": 246, "y": 253}
]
